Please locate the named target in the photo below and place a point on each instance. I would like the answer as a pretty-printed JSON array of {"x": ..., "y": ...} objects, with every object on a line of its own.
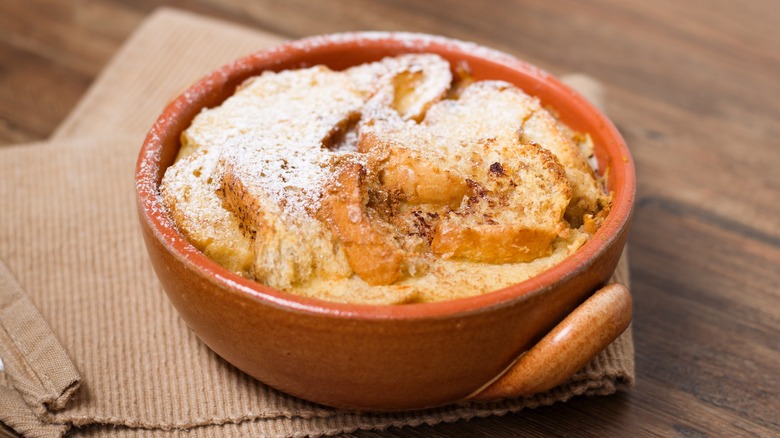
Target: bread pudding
[{"x": 391, "y": 182}]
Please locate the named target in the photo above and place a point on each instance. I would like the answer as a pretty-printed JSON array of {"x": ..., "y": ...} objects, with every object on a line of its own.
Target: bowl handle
[{"x": 568, "y": 347}]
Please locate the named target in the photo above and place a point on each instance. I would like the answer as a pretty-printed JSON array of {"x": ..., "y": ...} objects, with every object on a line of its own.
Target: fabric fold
[
  {"x": 17, "y": 415},
  {"x": 33, "y": 357},
  {"x": 35, "y": 363}
]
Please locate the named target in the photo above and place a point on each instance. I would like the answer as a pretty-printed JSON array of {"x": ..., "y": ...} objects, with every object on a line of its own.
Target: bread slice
[
  {"x": 480, "y": 193},
  {"x": 188, "y": 191},
  {"x": 269, "y": 169},
  {"x": 514, "y": 212},
  {"x": 293, "y": 109},
  {"x": 274, "y": 195},
  {"x": 408, "y": 84},
  {"x": 294, "y": 106},
  {"x": 506, "y": 113}
]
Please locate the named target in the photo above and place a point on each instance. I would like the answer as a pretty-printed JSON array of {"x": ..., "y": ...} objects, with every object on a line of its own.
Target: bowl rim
[{"x": 164, "y": 230}]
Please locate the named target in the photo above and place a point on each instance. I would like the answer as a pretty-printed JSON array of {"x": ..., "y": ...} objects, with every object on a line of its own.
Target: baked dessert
[{"x": 389, "y": 182}]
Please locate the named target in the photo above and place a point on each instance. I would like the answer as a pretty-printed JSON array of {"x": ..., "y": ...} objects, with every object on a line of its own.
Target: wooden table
[{"x": 693, "y": 86}]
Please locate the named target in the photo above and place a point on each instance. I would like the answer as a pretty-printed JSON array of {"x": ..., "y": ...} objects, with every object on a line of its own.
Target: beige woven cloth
[{"x": 89, "y": 342}]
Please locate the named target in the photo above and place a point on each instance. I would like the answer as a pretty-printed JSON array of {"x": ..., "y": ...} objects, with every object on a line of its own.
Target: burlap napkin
[{"x": 90, "y": 345}]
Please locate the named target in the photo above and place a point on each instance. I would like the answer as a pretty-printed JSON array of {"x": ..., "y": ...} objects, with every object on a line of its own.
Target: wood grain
[{"x": 693, "y": 87}]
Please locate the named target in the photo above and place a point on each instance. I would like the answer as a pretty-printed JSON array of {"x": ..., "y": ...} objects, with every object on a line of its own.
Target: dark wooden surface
[{"x": 693, "y": 86}]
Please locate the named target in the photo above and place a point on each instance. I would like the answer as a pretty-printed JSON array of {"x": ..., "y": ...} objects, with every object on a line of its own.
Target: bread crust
[
  {"x": 188, "y": 191},
  {"x": 371, "y": 250}
]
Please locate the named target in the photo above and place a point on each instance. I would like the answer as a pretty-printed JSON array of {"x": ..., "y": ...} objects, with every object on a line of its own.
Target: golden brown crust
[
  {"x": 515, "y": 211},
  {"x": 411, "y": 175},
  {"x": 492, "y": 243},
  {"x": 371, "y": 251}
]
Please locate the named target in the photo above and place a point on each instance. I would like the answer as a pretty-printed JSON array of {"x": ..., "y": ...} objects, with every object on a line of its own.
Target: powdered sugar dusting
[
  {"x": 259, "y": 163},
  {"x": 288, "y": 175},
  {"x": 248, "y": 187},
  {"x": 276, "y": 129}
]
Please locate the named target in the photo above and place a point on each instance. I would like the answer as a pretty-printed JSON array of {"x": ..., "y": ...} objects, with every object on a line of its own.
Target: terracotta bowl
[{"x": 403, "y": 356}]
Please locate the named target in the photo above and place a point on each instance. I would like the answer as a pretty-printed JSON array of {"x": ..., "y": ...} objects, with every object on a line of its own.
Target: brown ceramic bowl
[{"x": 402, "y": 356}]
